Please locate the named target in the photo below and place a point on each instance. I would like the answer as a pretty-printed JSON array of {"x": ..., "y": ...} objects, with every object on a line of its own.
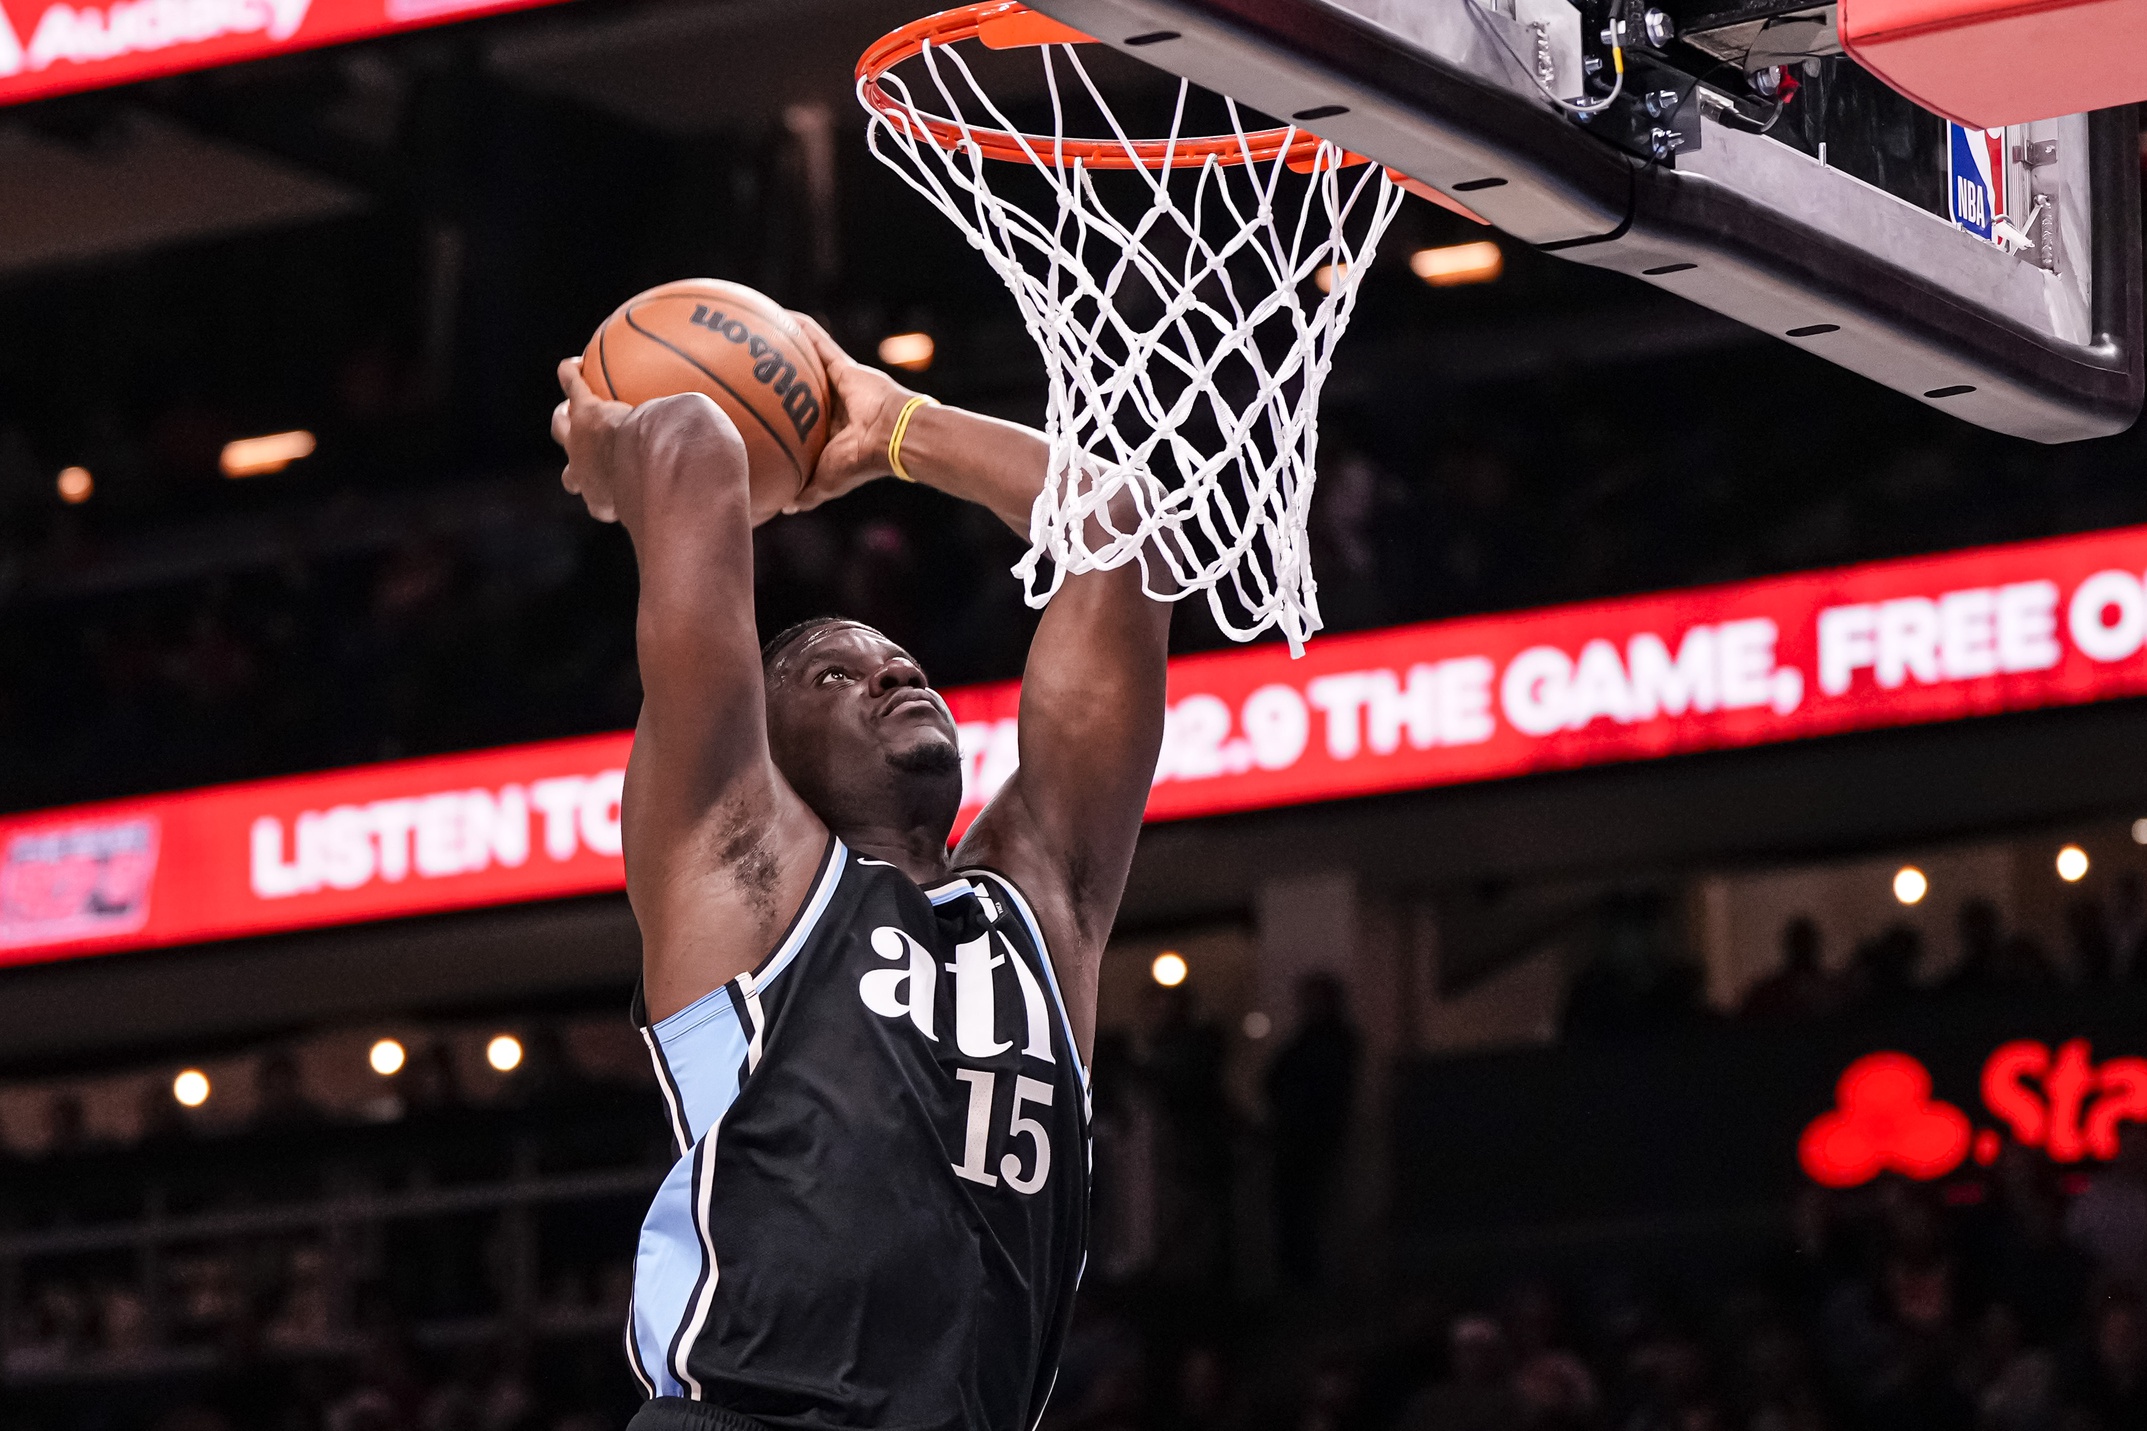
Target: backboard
[{"x": 1726, "y": 151}]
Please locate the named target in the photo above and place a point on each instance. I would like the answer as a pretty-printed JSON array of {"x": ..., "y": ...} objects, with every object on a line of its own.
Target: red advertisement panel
[
  {"x": 2058, "y": 1100},
  {"x": 2011, "y": 628},
  {"x": 415, "y": 837},
  {"x": 53, "y": 46},
  {"x": 2051, "y": 623}
]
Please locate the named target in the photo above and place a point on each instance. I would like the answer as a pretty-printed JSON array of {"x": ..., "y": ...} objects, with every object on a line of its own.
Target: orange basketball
[{"x": 702, "y": 335}]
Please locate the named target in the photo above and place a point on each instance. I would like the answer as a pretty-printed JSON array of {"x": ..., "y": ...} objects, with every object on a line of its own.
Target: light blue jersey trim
[
  {"x": 667, "y": 1265},
  {"x": 701, "y": 1054},
  {"x": 703, "y": 1045}
]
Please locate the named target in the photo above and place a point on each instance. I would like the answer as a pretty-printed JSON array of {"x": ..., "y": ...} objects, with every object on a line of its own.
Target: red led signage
[
  {"x": 2010, "y": 628},
  {"x": 376, "y": 842},
  {"x": 1885, "y": 1119},
  {"x": 54, "y": 47},
  {"x": 2049, "y": 623}
]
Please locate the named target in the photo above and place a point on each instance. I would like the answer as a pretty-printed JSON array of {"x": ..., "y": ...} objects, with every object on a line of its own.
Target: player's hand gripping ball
[{"x": 739, "y": 347}]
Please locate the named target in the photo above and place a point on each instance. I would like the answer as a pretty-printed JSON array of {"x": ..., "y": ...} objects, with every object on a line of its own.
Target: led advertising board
[
  {"x": 2059, "y": 1100},
  {"x": 50, "y": 47},
  {"x": 2012, "y": 628}
]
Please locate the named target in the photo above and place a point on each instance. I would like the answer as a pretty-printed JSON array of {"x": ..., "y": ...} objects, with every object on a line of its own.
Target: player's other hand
[
  {"x": 866, "y": 403},
  {"x": 686, "y": 434},
  {"x": 587, "y": 426}
]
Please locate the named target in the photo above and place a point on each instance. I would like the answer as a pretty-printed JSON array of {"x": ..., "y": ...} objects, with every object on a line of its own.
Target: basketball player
[{"x": 873, "y": 1055}]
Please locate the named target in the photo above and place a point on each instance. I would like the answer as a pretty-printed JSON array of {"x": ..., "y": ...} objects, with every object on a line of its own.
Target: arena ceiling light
[
  {"x": 386, "y": 1057},
  {"x": 74, "y": 485},
  {"x": 1169, "y": 969},
  {"x": 911, "y": 352},
  {"x": 504, "y": 1053},
  {"x": 1910, "y": 885},
  {"x": 1455, "y": 264},
  {"x": 259, "y": 456},
  {"x": 2072, "y": 864},
  {"x": 2139, "y": 832},
  {"x": 191, "y": 1088},
  {"x": 1324, "y": 276}
]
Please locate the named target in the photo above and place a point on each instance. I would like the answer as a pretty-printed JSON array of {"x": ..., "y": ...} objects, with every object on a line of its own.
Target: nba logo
[{"x": 1976, "y": 171}]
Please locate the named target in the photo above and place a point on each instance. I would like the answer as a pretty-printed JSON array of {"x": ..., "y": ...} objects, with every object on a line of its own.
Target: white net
[{"x": 1187, "y": 315}]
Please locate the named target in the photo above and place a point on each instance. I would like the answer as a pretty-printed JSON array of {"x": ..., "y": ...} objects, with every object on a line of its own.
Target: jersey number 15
[{"x": 977, "y": 1137}]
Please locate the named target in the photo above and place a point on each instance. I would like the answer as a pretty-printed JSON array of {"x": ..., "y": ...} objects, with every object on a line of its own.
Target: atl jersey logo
[{"x": 908, "y": 989}]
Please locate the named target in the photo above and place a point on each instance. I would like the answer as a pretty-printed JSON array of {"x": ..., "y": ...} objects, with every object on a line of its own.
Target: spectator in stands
[
  {"x": 1780, "y": 1394},
  {"x": 1672, "y": 1388},
  {"x": 1883, "y": 968},
  {"x": 1637, "y": 981},
  {"x": 2108, "y": 1221},
  {"x": 432, "y": 1083},
  {"x": 280, "y": 1101},
  {"x": 2015, "y": 1383},
  {"x": 2109, "y": 1392},
  {"x": 1911, "y": 1318},
  {"x": 163, "y": 1122},
  {"x": 1184, "y": 1068},
  {"x": 1311, "y": 1088},
  {"x": 1981, "y": 934},
  {"x": 1123, "y": 1188},
  {"x": 2127, "y": 928},
  {"x": 2017, "y": 1238},
  {"x": 1554, "y": 1387},
  {"x": 2024, "y": 965},
  {"x": 2087, "y": 930},
  {"x": 1100, "y": 1380},
  {"x": 1201, "y": 1392},
  {"x": 1477, "y": 1392},
  {"x": 1327, "y": 1390},
  {"x": 1818, "y": 1258},
  {"x": 1801, "y": 988},
  {"x": 388, "y": 1393},
  {"x": 66, "y": 1124},
  {"x": 1410, "y": 1352},
  {"x": 548, "y": 1073}
]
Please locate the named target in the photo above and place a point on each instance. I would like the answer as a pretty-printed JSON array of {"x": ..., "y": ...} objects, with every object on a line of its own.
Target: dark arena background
[{"x": 1672, "y": 956}]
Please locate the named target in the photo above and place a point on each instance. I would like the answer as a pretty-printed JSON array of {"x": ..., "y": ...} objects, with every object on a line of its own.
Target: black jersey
[{"x": 878, "y": 1214}]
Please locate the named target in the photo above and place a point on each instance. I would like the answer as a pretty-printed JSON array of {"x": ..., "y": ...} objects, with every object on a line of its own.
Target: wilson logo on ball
[{"x": 769, "y": 367}]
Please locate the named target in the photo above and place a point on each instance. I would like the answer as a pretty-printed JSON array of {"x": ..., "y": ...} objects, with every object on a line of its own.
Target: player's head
[{"x": 858, "y": 731}]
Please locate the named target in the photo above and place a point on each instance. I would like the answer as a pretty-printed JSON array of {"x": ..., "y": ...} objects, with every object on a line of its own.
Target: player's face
[{"x": 848, "y": 709}]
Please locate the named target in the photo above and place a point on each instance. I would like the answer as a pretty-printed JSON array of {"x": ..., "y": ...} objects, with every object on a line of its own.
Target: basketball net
[{"x": 1186, "y": 324}]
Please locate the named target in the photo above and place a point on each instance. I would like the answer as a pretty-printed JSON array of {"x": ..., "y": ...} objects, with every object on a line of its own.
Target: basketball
[{"x": 703, "y": 335}]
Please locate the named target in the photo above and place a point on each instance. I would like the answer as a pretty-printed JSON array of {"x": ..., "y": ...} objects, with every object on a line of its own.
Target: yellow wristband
[{"x": 894, "y": 441}]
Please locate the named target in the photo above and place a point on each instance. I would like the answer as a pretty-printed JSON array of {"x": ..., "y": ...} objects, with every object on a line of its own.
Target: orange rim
[{"x": 1009, "y": 24}]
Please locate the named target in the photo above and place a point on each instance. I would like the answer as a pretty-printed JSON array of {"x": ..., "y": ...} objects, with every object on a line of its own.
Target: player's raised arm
[
  {"x": 1063, "y": 827},
  {"x": 719, "y": 849}
]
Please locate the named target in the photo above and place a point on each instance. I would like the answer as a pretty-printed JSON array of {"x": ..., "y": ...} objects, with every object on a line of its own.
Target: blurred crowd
[
  {"x": 2009, "y": 1301},
  {"x": 2105, "y": 946},
  {"x": 427, "y": 1260},
  {"x": 1234, "y": 1284},
  {"x": 1641, "y": 976}
]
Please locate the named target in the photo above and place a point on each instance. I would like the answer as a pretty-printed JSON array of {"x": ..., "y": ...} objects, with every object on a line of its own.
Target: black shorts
[{"x": 676, "y": 1413}]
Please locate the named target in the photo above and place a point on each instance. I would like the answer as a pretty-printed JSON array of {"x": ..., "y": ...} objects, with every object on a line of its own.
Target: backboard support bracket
[{"x": 1745, "y": 226}]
